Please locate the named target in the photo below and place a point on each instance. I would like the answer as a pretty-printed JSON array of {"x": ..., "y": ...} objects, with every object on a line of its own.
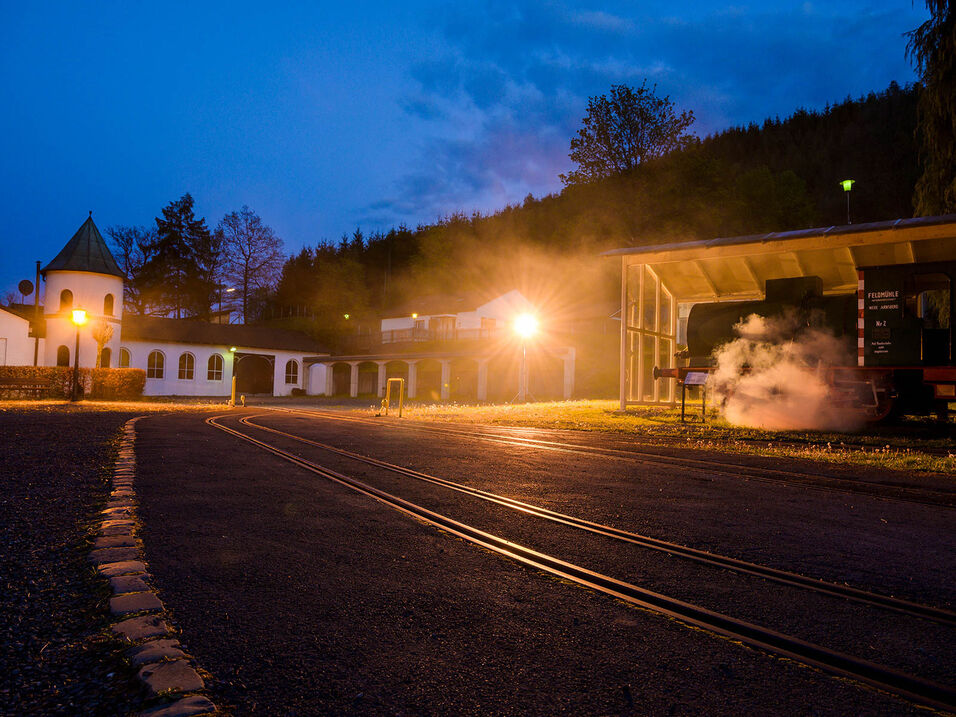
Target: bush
[
  {"x": 109, "y": 383},
  {"x": 60, "y": 379},
  {"x": 298, "y": 392},
  {"x": 115, "y": 383}
]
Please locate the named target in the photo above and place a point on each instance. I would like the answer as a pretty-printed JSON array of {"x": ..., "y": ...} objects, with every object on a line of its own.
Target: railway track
[
  {"x": 701, "y": 556},
  {"x": 897, "y": 682},
  {"x": 808, "y": 480}
]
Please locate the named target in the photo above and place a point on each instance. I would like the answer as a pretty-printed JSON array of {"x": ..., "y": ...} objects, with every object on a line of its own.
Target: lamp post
[
  {"x": 235, "y": 371},
  {"x": 79, "y": 319},
  {"x": 847, "y": 185},
  {"x": 526, "y": 326}
]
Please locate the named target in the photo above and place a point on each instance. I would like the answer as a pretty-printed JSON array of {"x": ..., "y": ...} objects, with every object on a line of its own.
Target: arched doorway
[
  {"x": 428, "y": 380},
  {"x": 255, "y": 373},
  {"x": 545, "y": 375},
  {"x": 368, "y": 378},
  {"x": 464, "y": 380},
  {"x": 396, "y": 369},
  {"x": 341, "y": 379}
]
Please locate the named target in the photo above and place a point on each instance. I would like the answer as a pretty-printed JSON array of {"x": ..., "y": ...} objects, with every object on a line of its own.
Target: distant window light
[
  {"x": 124, "y": 358},
  {"x": 155, "y": 365},
  {"x": 66, "y": 300},
  {"x": 108, "y": 305},
  {"x": 214, "y": 368},
  {"x": 187, "y": 366},
  {"x": 105, "y": 357},
  {"x": 63, "y": 356},
  {"x": 292, "y": 372}
]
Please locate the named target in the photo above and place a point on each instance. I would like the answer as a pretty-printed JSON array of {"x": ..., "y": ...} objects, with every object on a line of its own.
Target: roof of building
[
  {"x": 739, "y": 267},
  {"x": 437, "y": 305},
  {"x": 191, "y": 331},
  {"x": 86, "y": 251},
  {"x": 24, "y": 311}
]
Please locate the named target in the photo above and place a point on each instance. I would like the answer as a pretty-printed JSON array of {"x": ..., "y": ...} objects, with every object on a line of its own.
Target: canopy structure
[{"x": 656, "y": 279}]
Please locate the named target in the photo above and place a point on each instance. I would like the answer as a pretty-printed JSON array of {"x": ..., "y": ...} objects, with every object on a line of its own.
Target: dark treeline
[{"x": 778, "y": 176}]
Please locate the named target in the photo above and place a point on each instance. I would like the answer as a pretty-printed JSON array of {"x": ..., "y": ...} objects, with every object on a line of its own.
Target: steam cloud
[{"x": 773, "y": 376}]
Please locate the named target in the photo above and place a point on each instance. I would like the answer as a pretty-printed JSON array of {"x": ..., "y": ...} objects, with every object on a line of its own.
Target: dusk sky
[{"x": 324, "y": 117}]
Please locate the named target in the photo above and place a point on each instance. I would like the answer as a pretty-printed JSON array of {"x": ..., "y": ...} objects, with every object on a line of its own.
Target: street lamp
[
  {"x": 79, "y": 319},
  {"x": 847, "y": 185},
  {"x": 526, "y": 326}
]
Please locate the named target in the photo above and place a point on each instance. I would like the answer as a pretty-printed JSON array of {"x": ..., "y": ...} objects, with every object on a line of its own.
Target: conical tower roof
[{"x": 86, "y": 251}]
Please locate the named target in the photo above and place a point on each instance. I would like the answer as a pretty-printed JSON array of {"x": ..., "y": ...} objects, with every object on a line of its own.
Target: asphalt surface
[{"x": 303, "y": 597}]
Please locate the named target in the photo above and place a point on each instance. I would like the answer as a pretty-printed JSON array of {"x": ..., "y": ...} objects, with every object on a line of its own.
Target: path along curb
[{"x": 167, "y": 673}]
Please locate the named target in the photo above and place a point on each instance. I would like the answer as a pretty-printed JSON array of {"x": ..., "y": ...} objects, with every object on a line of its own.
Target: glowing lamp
[
  {"x": 79, "y": 317},
  {"x": 847, "y": 184},
  {"x": 414, "y": 316},
  {"x": 526, "y": 325},
  {"x": 233, "y": 349},
  {"x": 346, "y": 316}
]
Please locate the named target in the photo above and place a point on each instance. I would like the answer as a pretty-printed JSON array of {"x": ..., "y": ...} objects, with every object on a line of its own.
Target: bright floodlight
[
  {"x": 526, "y": 325},
  {"x": 79, "y": 317}
]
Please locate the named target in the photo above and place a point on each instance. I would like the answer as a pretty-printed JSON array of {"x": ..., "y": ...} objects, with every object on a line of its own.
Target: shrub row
[{"x": 105, "y": 383}]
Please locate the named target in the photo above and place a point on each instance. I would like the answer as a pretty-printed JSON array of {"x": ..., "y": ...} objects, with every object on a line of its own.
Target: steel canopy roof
[{"x": 736, "y": 268}]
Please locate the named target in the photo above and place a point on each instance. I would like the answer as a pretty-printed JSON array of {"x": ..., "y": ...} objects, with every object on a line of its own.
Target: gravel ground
[
  {"x": 301, "y": 597},
  {"x": 55, "y": 657}
]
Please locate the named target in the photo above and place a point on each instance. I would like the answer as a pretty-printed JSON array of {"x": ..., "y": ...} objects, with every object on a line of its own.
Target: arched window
[
  {"x": 292, "y": 372},
  {"x": 187, "y": 366},
  {"x": 214, "y": 368},
  {"x": 63, "y": 356},
  {"x": 108, "y": 305},
  {"x": 105, "y": 356},
  {"x": 66, "y": 300},
  {"x": 155, "y": 364},
  {"x": 124, "y": 358}
]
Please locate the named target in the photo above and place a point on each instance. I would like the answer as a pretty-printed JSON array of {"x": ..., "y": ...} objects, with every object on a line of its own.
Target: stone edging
[{"x": 164, "y": 669}]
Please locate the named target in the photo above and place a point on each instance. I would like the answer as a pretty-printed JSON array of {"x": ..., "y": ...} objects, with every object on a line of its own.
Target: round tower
[{"x": 84, "y": 275}]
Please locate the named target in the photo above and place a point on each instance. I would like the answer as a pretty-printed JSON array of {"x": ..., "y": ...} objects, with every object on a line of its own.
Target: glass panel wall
[{"x": 650, "y": 316}]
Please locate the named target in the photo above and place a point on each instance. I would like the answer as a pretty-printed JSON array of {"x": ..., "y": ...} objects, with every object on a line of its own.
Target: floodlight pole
[{"x": 523, "y": 373}]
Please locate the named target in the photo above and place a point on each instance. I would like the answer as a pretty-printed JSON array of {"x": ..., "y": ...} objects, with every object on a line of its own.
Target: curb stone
[{"x": 167, "y": 673}]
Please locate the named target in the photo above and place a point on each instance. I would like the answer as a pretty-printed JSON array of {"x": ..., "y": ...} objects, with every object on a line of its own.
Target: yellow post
[
  {"x": 232, "y": 396},
  {"x": 386, "y": 402}
]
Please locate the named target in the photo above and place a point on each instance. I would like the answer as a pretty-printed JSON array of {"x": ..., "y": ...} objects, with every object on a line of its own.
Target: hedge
[{"x": 104, "y": 383}]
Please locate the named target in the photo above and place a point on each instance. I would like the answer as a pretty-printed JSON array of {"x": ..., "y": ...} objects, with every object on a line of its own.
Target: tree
[
  {"x": 933, "y": 48},
  {"x": 102, "y": 332},
  {"x": 131, "y": 246},
  {"x": 183, "y": 269},
  {"x": 623, "y": 130},
  {"x": 253, "y": 254}
]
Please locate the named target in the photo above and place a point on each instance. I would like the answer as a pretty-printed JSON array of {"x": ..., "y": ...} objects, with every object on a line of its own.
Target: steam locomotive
[{"x": 898, "y": 325}]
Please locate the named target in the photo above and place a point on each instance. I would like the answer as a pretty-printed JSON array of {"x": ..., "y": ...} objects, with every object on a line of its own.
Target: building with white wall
[
  {"x": 455, "y": 348},
  {"x": 181, "y": 357}
]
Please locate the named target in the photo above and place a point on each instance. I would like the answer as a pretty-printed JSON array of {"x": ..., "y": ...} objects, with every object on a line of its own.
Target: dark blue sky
[{"x": 327, "y": 116}]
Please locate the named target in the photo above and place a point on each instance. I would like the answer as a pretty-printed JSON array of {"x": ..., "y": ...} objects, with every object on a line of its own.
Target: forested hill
[
  {"x": 871, "y": 140},
  {"x": 779, "y": 176}
]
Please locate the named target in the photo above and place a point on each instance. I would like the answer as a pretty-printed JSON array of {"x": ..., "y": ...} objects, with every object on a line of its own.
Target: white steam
[{"x": 774, "y": 376}]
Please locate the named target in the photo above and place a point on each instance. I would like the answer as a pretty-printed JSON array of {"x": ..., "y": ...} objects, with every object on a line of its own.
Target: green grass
[{"x": 914, "y": 445}]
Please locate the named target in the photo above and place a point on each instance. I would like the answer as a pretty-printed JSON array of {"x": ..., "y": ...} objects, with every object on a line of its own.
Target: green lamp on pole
[{"x": 847, "y": 185}]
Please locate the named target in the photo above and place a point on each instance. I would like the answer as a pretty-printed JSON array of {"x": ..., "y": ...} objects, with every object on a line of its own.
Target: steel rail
[
  {"x": 887, "y": 602},
  {"x": 911, "y": 687},
  {"x": 760, "y": 474}
]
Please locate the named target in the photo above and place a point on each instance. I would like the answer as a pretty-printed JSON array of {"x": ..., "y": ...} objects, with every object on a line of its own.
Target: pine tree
[{"x": 933, "y": 48}]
